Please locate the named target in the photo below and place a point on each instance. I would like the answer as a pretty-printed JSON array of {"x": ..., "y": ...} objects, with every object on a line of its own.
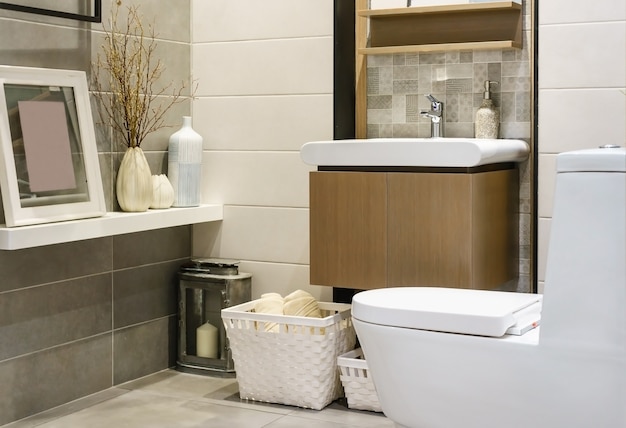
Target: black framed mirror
[{"x": 81, "y": 10}]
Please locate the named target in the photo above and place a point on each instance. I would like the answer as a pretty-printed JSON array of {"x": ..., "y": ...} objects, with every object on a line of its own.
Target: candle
[{"x": 206, "y": 341}]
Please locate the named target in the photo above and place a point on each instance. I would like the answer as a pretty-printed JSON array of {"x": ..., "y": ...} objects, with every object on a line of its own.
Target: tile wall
[
  {"x": 77, "y": 318},
  {"x": 582, "y": 81},
  {"x": 265, "y": 72},
  {"x": 397, "y": 84}
]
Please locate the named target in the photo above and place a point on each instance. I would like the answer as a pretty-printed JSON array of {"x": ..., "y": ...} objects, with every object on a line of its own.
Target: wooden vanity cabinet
[{"x": 448, "y": 228}]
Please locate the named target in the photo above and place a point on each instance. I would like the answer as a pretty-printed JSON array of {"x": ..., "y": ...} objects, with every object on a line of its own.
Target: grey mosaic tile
[
  {"x": 379, "y": 116},
  {"x": 413, "y": 108},
  {"x": 399, "y": 59},
  {"x": 466, "y": 57},
  {"x": 522, "y": 107},
  {"x": 432, "y": 58},
  {"x": 453, "y": 57},
  {"x": 405, "y": 72},
  {"x": 455, "y": 86},
  {"x": 405, "y": 130},
  {"x": 452, "y": 108},
  {"x": 379, "y": 101},
  {"x": 412, "y": 59},
  {"x": 373, "y": 77},
  {"x": 405, "y": 87}
]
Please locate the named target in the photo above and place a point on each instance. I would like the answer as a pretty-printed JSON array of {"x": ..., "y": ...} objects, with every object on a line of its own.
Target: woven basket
[
  {"x": 296, "y": 365},
  {"x": 357, "y": 384}
]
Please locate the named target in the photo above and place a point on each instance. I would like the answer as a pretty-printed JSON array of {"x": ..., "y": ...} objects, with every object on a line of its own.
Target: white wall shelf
[{"x": 113, "y": 223}]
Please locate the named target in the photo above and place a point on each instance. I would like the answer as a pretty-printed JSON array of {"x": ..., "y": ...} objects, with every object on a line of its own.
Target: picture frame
[
  {"x": 49, "y": 168},
  {"x": 55, "y": 9}
]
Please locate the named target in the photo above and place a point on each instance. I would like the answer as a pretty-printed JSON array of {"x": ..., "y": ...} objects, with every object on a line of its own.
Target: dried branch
[{"x": 125, "y": 78}]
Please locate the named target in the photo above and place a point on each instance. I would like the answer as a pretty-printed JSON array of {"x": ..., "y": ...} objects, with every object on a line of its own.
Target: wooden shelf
[
  {"x": 113, "y": 223},
  {"x": 494, "y": 25}
]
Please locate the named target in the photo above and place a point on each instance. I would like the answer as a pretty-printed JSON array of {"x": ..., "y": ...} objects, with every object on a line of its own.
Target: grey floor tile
[
  {"x": 170, "y": 398},
  {"x": 140, "y": 409}
]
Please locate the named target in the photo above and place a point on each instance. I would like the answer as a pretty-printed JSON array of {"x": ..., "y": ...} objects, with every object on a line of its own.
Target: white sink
[{"x": 428, "y": 152}]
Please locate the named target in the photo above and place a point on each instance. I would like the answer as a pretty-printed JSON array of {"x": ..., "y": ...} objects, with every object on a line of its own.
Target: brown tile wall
[{"x": 80, "y": 317}]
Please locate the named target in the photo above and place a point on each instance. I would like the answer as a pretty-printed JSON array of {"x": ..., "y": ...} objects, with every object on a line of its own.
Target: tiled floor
[{"x": 170, "y": 399}]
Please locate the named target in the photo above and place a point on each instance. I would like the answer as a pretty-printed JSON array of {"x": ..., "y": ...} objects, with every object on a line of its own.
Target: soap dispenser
[{"x": 487, "y": 123}]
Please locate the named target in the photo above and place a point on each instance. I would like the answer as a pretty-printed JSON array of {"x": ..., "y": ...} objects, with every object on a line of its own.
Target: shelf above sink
[{"x": 417, "y": 152}]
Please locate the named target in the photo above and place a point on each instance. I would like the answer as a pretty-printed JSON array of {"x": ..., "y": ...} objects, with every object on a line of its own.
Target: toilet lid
[{"x": 453, "y": 310}]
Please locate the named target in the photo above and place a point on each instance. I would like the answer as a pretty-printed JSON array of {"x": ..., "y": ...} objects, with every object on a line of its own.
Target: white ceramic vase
[
  {"x": 184, "y": 166},
  {"x": 162, "y": 192},
  {"x": 134, "y": 181}
]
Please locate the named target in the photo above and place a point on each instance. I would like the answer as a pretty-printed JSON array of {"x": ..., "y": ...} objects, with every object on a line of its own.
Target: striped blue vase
[{"x": 185, "y": 165}]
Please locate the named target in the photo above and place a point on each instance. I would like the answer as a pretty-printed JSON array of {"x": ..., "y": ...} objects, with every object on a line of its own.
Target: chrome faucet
[{"x": 436, "y": 116}]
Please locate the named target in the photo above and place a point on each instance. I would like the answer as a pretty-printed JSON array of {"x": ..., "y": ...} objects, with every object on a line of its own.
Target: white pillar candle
[{"x": 206, "y": 341}]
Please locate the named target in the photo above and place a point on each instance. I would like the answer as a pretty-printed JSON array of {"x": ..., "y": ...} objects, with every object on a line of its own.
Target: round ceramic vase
[{"x": 134, "y": 182}]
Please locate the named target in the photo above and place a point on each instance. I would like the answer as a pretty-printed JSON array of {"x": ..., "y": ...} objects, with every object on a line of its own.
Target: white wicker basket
[
  {"x": 296, "y": 365},
  {"x": 357, "y": 383}
]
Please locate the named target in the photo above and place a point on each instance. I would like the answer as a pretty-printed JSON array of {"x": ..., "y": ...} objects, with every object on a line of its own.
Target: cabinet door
[
  {"x": 430, "y": 230},
  {"x": 348, "y": 229}
]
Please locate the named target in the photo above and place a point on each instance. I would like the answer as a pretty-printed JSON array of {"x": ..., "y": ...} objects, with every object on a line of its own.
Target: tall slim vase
[{"x": 184, "y": 167}]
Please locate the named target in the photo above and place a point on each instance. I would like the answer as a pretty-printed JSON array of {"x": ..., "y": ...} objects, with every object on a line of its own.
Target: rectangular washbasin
[{"x": 425, "y": 152}]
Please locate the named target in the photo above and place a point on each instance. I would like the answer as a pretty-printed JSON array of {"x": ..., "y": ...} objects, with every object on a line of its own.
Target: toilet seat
[{"x": 451, "y": 310}]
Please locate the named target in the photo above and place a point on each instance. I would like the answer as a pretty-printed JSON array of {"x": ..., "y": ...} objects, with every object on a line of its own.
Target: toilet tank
[{"x": 585, "y": 287}]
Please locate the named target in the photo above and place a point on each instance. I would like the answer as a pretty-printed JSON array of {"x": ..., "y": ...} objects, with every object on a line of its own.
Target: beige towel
[
  {"x": 270, "y": 303},
  {"x": 302, "y": 304}
]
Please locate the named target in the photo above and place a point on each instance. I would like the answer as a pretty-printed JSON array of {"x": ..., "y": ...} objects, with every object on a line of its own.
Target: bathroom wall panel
[
  {"x": 547, "y": 179},
  {"x": 145, "y": 293},
  {"x": 264, "y": 67},
  {"x": 261, "y": 20},
  {"x": 572, "y": 120},
  {"x": 41, "y": 317},
  {"x": 145, "y": 348},
  {"x": 282, "y": 122},
  {"x": 170, "y": 23},
  {"x": 262, "y": 234},
  {"x": 41, "y": 265},
  {"x": 596, "y": 48},
  {"x": 543, "y": 243},
  {"x": 41, "y": 45},
  {"x": 561, "y": 11},
  {"x": 142, "y": 248},
  {"x": 39, "y": 381},
  {"x": 255, "y": 178},
  {"x": 283, "y": 278}
]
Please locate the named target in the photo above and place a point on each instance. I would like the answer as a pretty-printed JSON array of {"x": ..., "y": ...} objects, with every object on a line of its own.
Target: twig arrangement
[{"x": 125, "y": 79}]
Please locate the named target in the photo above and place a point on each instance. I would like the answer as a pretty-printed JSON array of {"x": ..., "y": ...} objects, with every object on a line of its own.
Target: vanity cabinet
[{"x": 448, "y": 227}]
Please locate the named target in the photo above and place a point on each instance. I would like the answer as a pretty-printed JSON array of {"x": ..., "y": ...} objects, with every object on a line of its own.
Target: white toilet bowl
[{"x": 452, "y": 358}]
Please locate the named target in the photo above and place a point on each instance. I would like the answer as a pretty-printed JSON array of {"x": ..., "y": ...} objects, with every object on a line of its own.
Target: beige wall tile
[
  {"x": 259, "y": 234},
  {"x": 256, "y": 178},
  {"x": 545, "y": 184},
  {"x": 264, "y": 67},
  {"x": 573, "y": 119},
  {"x": 283, "y": 278},
  {"x": 561, "y": 11},
  {"x": 271, "y": 122},
  {"x": 543, "y": 241},
  {"x": 582, "y": 55},
  {"x": 268, "y": 19}
]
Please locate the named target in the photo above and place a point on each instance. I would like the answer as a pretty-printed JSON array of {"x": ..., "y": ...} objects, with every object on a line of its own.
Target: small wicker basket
[
  {"x": 295, "y": 365},
  {"x": 357, "y": 384}
]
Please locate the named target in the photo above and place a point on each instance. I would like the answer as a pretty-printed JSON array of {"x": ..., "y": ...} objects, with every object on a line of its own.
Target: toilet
[{"x": 458, "y": 358}]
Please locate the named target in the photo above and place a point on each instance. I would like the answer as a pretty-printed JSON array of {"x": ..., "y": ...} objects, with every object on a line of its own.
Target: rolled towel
[
  {"x": 270, "y": 303},
  {"x": 302, "y": 304}
]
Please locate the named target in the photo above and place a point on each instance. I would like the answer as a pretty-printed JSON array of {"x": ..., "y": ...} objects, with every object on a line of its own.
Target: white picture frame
[{"x": 49, "y": 168}]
